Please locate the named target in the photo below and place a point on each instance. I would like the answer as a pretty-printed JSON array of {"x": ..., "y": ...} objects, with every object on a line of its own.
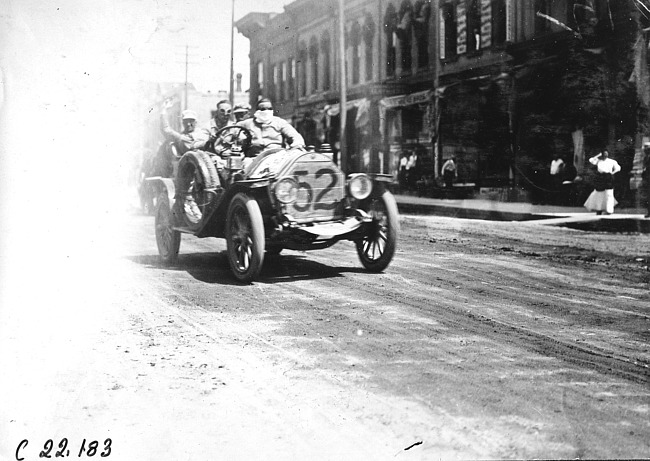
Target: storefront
[{"x": 407, "y": 126}]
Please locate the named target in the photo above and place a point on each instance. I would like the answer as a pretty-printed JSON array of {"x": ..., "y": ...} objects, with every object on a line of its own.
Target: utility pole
[
  {"x": 232, "y": 56},
  {"x": 436, "y": 93},
  {"x": 343, "y": 154}
]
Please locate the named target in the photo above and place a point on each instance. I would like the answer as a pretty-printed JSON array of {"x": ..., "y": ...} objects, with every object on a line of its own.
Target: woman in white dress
[{"x": 602, "y": 198}]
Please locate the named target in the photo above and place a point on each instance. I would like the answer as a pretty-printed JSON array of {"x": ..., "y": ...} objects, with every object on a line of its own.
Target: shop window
[
  {"x": 302, "y": 72},
  {"x": 325, "y": 45},
  {"x": 260, "y": 77},
  {"x": 448, "y": 31},
  {"x": 421, "y": 31},
  {"x": 355, "y": 42},
  {"x": 542, "y": 24},
  {"x": 499, "y": 22},
  {"x": 473, "y": 26},
  {"x": 390, "y": 25},
  {"x": 404, "y": 33},
  {"x": 313, "y": 61}
]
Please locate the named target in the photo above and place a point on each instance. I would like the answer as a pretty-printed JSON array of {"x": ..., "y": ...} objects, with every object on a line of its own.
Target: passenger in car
[
  {"x": 269, "y": 131},
  {"x": 184, "y": 140}
]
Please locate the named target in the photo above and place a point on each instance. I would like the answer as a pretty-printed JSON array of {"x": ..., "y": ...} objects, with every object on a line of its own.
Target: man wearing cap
[
  {"x": 221, "y": 118},
  {"x": 270, "y": 131},
  {"x": 241, "y": 111},
  {"x": 185, "y": 140}
]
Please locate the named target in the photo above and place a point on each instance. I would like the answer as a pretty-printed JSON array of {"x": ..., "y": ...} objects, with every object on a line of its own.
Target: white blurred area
[{"x": 69, "y": 126}]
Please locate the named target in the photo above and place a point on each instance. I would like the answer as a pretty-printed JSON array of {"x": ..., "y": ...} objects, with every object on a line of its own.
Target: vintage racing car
[{"x": 280, "y": 199}]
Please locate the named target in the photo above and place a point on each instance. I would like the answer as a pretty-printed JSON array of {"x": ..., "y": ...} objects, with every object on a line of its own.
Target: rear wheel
[
  {"x": 167, "y": 239},
  {"x": 377, "y": 247},
  {"x": 197, "y": 179},
  {"x": 245, "y": 238}
]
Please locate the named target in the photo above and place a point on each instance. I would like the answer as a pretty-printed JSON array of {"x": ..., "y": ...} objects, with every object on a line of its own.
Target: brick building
[{"x": 501, "y": 85}]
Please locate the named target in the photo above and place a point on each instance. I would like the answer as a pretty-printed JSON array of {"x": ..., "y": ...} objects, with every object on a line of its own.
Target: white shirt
[{"x": 607, "y": 165}]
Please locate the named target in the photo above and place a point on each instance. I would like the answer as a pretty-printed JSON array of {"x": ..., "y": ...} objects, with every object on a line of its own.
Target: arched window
[
  {"x": 325, "y": 47},
  {"x": 368, "y": 37},
  {"x": 404, "y": 33},
  {"x": 390, "y": 25},
  {"x": 313, "y": 61},
  {"x": 302, "y": 70},
  {"x": 355, "y": 42},
  {"x": 421, "y": 30}
]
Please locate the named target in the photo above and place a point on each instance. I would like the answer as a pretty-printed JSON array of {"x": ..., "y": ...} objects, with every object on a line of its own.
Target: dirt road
[{"x": 481, "y": 340}]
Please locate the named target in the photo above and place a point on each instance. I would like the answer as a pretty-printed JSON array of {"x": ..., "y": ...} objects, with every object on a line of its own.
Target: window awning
[
  {"x": 421, "y": 97},
  {"x": 363, "y": 106},
  {"x": 334, "y": 109}
]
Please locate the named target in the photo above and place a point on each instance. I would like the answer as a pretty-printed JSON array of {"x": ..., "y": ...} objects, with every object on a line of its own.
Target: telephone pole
[{"x": 232, "y": 56}]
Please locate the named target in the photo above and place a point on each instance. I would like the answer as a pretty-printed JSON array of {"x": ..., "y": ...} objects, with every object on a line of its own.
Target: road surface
[{"x": 481, "y": 340}]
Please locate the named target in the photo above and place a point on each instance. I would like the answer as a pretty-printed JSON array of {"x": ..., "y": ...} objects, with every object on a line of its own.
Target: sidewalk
[{"x": 623, "y": 219}]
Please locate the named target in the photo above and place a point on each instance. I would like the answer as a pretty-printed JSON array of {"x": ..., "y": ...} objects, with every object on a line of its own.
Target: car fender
[{"x": 164, "y": 184}]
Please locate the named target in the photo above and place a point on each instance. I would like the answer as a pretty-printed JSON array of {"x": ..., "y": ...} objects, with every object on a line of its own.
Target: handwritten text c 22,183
[{"x": 64, "y": 449}]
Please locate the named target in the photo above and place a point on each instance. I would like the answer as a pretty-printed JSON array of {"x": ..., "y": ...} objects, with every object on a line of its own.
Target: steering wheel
[{"x": 233, "y": 138}]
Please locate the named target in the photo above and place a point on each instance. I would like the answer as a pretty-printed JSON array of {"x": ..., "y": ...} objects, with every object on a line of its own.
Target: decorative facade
[{"x": 501, "y": 85}]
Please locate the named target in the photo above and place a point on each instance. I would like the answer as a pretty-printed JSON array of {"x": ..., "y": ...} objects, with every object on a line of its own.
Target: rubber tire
[
  {"x": 198, "y": 167},
  {"x": 167, "y": 239},
  {"x": 245, "y": 263},
  {"x": 379, "y": 207}
]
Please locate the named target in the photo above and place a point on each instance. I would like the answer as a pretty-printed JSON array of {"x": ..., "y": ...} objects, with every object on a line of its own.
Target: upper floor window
[
  {"x": 542, "y": 24},
  {"x": 499, "y": 22},
  {"x": 260, "y": 76},
  {"x": 313, "y": 60},
  {"x": 276, "y": 89},
  {"x": 368, "y": 37},
  {"x": 283, "y": 81},
  {"x": 422, "y": 12},
  {"x": 302, "y": 72},
  {"x": 390, "y": 26},
  {"x": 448, "y": 32},
  {"x": 292, "y": 79},
  {"x": 355, "y": 41},
  {"x": 473, "y": 26},
  {"x": 325, "y": 44},
  {"x": 404, "y": 33}
]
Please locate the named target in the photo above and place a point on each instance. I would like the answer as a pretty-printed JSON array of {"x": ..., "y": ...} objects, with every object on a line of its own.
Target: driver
[
  {"x": 269, "y": 131},
  {"x": 221, "y": 118}
]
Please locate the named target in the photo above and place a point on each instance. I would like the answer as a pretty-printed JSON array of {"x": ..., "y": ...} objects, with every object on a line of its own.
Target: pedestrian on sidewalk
[
  {"x": 449, "y": 172},
  {"x": 645, "y": 175},
  {"x": 602, "y": 198}
]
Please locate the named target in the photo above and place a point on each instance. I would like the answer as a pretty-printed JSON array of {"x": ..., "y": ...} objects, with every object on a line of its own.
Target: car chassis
[{"x": 282, "y": 198}]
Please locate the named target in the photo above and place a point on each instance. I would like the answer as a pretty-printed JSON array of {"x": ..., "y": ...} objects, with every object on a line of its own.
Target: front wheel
[
  {"x": 377, "y": 247},
  {"x": 245, "y": 238},
  {"x": 167, "y": 239}
]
